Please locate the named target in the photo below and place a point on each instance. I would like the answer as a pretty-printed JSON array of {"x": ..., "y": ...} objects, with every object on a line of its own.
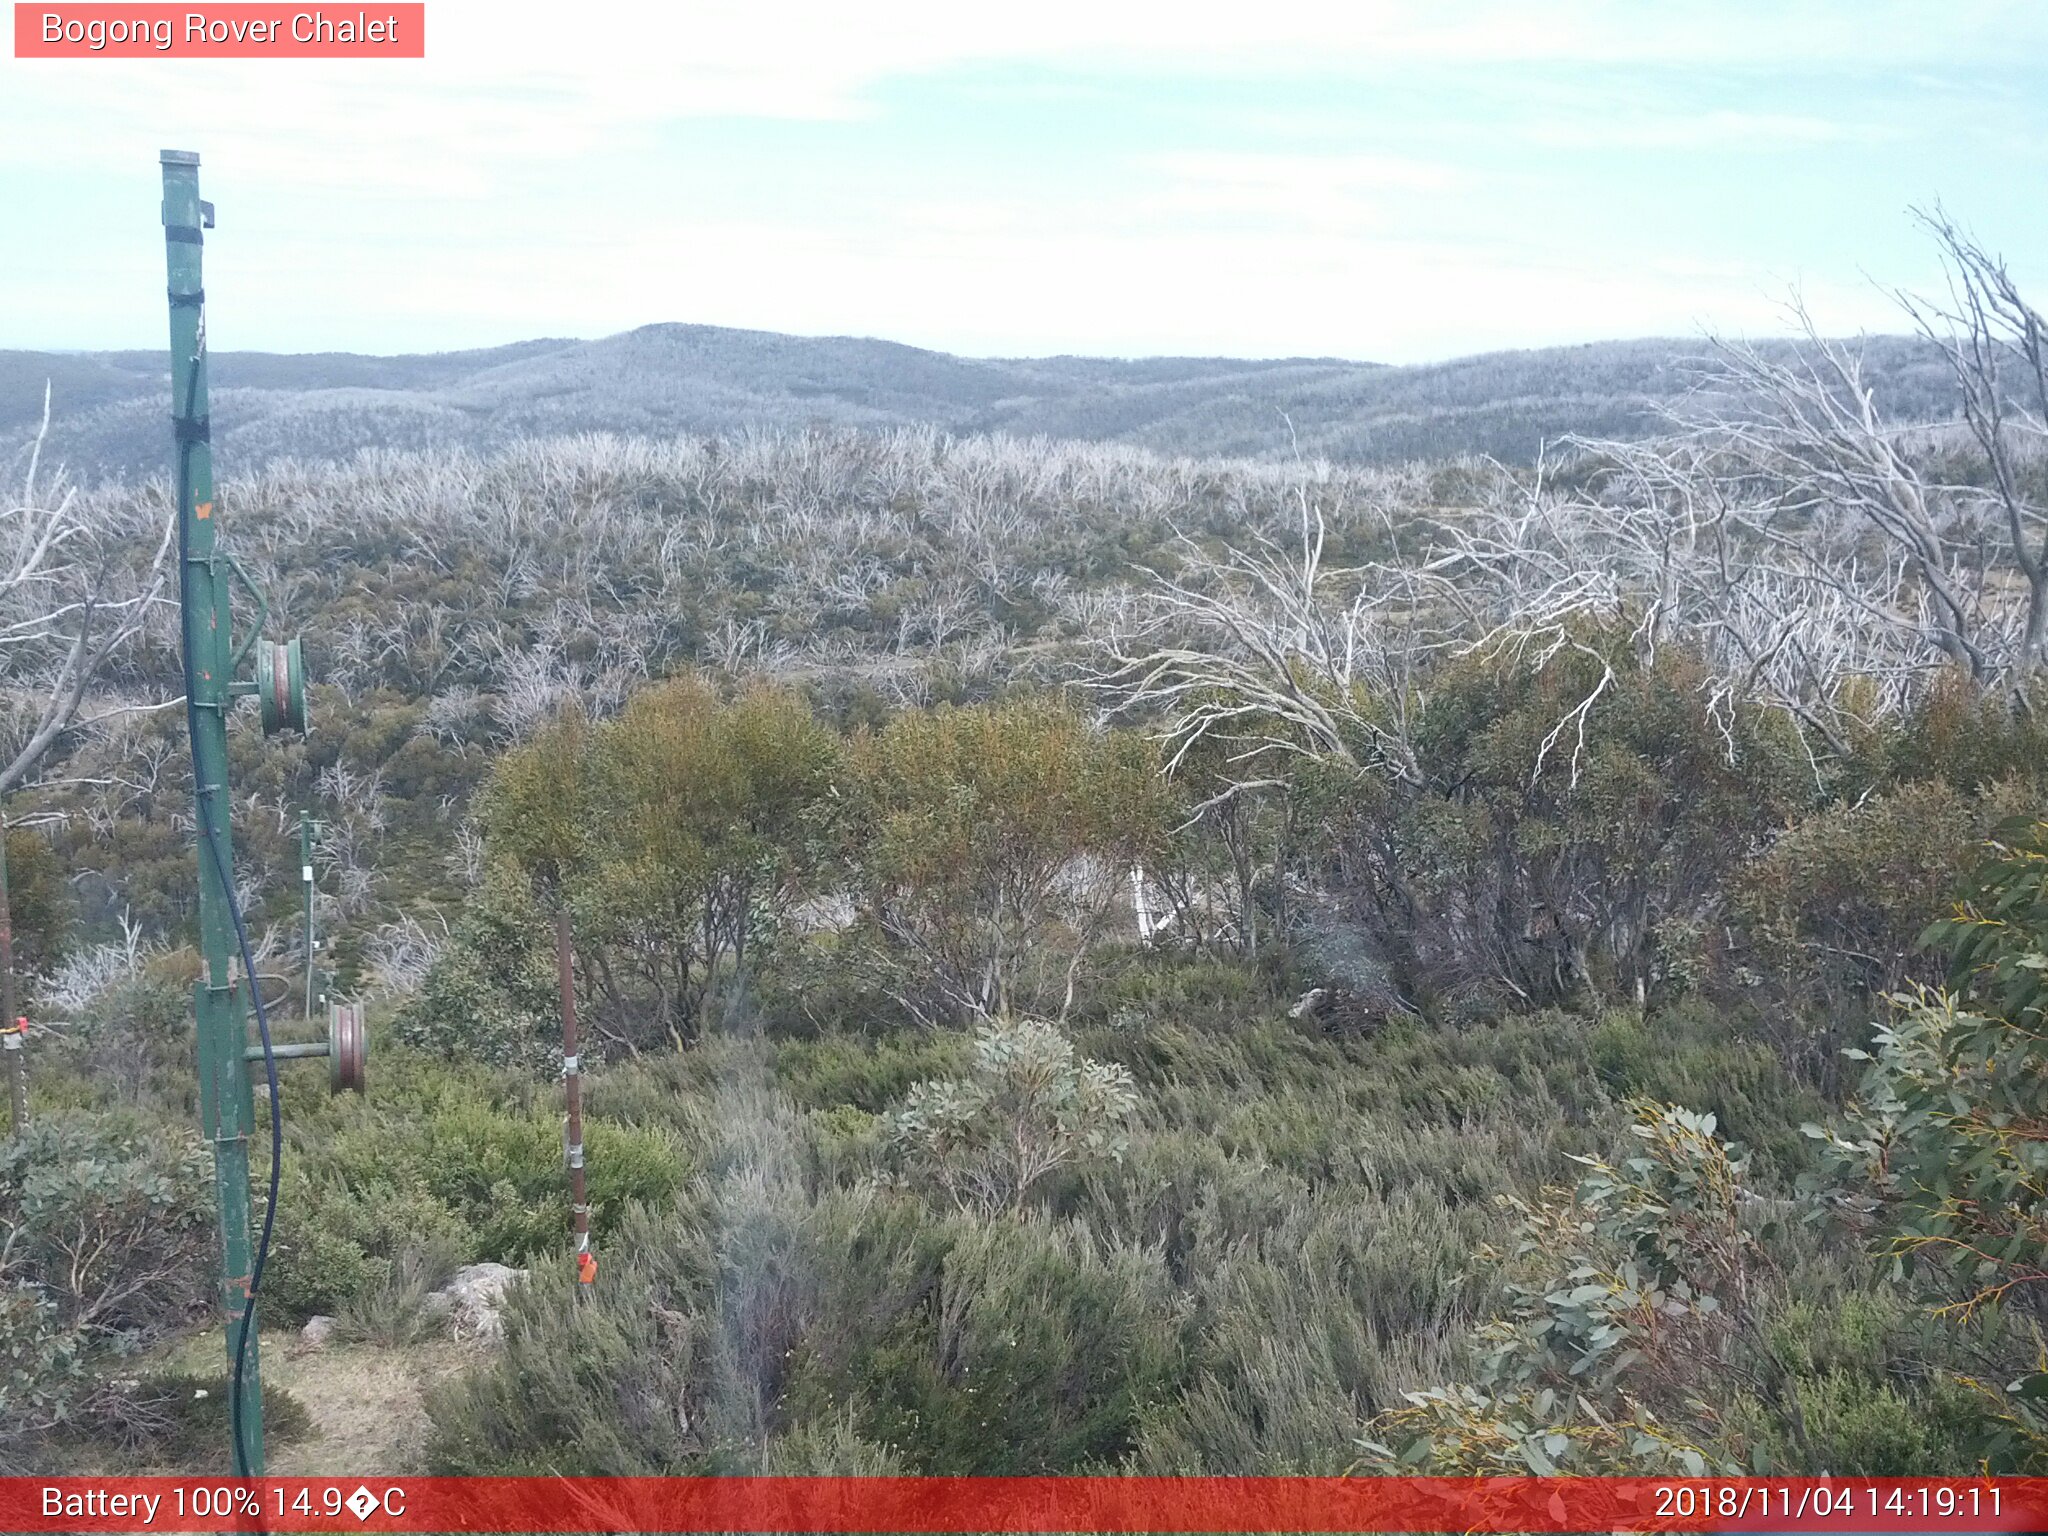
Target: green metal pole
[{"x": 227, "y": 1110}]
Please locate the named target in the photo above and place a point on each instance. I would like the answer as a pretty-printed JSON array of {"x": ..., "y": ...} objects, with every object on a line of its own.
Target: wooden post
[
  {"x": 572, "y": 1087},
  {"x": 13, "y": 1037}
]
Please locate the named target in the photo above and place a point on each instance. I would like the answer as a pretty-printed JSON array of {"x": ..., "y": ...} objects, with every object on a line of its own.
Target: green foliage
[
  {"x": 1029, "y": 1105},
  {"x": 1185, "y": 1230},
  {"x": 39, "y": 902},
  {"x": 1536, "y": 860},
  {"x": 1036, "y": 1350},
  {"x": 1943, "y": 1149},
  {"x": 1948, "y": 1124},
  {"x": 678, "y": 835},
  {"x": 161, "y": 1423},
  {"x": 1312, "y": 1314},
  {"x": 1946, "y": 1130},
  {"x": 179, "y": 1420},
  {"x": 1617, "y": 1318},
  {"x": 1860, "y": 1390},
  {"x": 1968, "y": 737},
  {"x": 502, "y": 1174},
  {"x": 105, "y": 1244},
  {"x": 540, "y": 808},
  {"x": 131, "y": 1044},
  {"x": 864, "y": 1073},
  {"x": 1997, "y": 941},
  {"x": 1836, "y": 906},
  {"x": 750, "y": 1322},
  {"x": 493, "y": 995},
  {"x": 1692, "y": 1053},
  {"x": 400, "y": 1308},
  {"x": 346, "y": 1233},
  {"x": 442, "y": 1166},
  {"x": 1284, "y": 1248},
  {"x": 988, "y": 843},
  {"x": 108, "y": 1218},
  {"x": 710, "y": 830},
  {"x": 314, "y": 1269},
  {"x": 42, "y": 1361}
]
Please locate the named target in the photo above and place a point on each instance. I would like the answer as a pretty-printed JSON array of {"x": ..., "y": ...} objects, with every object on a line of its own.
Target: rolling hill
[{"x": 109, "y": 407}]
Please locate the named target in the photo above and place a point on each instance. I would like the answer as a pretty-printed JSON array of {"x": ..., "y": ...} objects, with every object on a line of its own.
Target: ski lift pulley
[
  {"x": 281, "y": 686},
  {"x": 348, "y": 1048}
]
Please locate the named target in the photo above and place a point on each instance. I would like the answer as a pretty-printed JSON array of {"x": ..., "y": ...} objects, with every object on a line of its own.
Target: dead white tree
[
  {"x": 1782, "y": 527},
  {"x": 1813, "y": 470},
  {"x": 1272, "y": 654},
  {"x": 1996, "y": 344},
  {"x": 72, "y": 592}
]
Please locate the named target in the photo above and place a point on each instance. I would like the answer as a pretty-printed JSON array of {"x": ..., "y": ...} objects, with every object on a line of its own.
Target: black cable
[{"x": 212, "y": 844}]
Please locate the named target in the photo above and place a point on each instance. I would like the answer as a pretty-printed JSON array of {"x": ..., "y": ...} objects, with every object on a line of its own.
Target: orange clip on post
[{"x": 586, "y": 1267}]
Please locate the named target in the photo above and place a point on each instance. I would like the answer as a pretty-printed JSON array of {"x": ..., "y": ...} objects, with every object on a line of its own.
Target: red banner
[
  {"x": 1050, "y": 1504},
  {"x": 224, "y": 31}
]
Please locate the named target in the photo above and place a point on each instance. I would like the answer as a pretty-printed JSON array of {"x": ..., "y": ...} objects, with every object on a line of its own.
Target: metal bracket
[
  {"x": 346, "y": 1049},
  {"x": 248, "y": 582}
]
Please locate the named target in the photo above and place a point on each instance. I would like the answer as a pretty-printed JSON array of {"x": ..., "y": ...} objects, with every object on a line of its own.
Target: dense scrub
[
  {"x": 1094, "y": 962},
  {"x": 1209, "y": 1210}
]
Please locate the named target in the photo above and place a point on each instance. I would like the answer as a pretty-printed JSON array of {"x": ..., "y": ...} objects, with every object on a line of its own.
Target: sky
[{"x": 1399, "y": 182}]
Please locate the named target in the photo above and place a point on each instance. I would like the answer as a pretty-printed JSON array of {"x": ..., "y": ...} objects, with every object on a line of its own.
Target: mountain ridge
[{"x": 678, "y": 377}]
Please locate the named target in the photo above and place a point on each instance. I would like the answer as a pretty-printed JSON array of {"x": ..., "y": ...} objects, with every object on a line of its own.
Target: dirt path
[{"x": 367, "y": 1404}]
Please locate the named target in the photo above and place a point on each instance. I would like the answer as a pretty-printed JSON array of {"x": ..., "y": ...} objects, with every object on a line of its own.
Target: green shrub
[
  {"x": 1692, "y": 1054},
  {"x": 1028, "y": 1105},
  {"x": 869, "y": 1074},
  {"x": 128, "y": 1046},
  {"x": 396, "y": 1308},
  {"x": 1305, "y": 1329},
  {"x": 106, "y": 1242},
  {"x": 40, "y": 904},
  {"x": 503, "y": 1176},
  {"x": 313, "y": 1269},
  {"x": 1966, "y": 736},
  {"x": 1034, "y": 1350},
  {"x": 1624, "y": 1301},
  {"x": 112, "y": 1219},
  {"x": 437, "y": 1156},
  {"x": 493, "y": 995},
  {"x": 987, "y": 844},
  {"x": 42, "y": 1363},
  {"x": 1867, "y": 1404},
  {"x": 755, "y": 1319},
  {"x": 1941, "y": 1147},
  {"x": 1837, "y": 905},
  {"x": 1144, "y": 988},
  {"x": 677, "y": 834},
  {"x": 1520, "y": 863}
]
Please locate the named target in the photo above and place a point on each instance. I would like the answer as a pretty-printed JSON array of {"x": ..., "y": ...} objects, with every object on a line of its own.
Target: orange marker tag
[
  {"x": 204, "y": 509},
  {"x": 586, "y": 1267}
]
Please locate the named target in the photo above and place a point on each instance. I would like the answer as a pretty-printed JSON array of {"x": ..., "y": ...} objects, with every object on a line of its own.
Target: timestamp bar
[{"x": 1025, "y": 1504}]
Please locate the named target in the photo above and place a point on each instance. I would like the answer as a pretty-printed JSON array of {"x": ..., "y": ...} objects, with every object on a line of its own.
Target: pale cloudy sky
[{"x": 1398, "y": 181}]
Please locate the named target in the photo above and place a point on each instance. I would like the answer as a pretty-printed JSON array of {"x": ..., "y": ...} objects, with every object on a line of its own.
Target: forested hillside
[
  {"x": 1095, "y": 959},
  {"x": 665, "y": 379}
]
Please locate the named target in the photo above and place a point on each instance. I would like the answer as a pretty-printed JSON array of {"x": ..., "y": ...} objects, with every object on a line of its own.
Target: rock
[
  {"x": 475, "y": 1298},
  {"x": 1309, "y": 1004},
  {"x": 317, "y": 1332}
]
